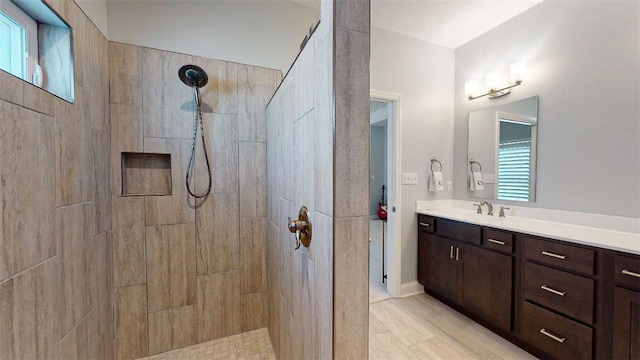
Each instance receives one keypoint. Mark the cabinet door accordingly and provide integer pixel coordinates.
(626, 324)
(436, 265)
(485, 284)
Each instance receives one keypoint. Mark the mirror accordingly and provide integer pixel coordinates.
(502, 143)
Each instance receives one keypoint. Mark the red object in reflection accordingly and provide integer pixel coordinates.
(382, 211)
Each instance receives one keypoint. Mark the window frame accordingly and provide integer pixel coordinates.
(30, 26)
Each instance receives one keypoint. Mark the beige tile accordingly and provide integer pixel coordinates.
(76, 345)
(388, 346)
(408, 330)
(351, 287)
(215, 292)
(450, 322)
(322, 245)
(131, 339)
(74, 229)
(81, 47)
(353, 15)
(253, 253)
(255, 88)
(102, 181)
(352, 123)
(218, 244)
(303, 136)
(375, 327)
(129, 265)
(305, 87)
(177, 208)
(221, 136)
(99, 65)
(307, 310)
(74, 158)
(38, 99)
(324, 127)
(12, 88)
(167, 102)
(220, 95)
(101, 280)
(125, 74)
(126, 136)
(254, 311)
(253, 180)
(28, 306)
(27, 189)
(102, 347)
(172, 329)
(171, 266)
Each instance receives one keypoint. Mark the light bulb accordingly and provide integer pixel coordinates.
(518, 70)
(470, 88)
(493, 80)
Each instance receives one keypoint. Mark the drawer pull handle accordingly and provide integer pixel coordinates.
(561, 257)
(631, 273)
(451, 253)
(457, 253)
(425, 224)
(497, 242)
(556, 338)
(554, 291)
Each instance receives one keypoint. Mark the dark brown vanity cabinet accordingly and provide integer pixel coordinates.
(626, 308)
(478, 279)
(554, 298)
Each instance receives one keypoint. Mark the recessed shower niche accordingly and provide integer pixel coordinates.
(146, 174)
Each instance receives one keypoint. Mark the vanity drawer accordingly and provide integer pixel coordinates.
(556, 335)
(426, 223)
(498, 240)
(459, 231)
(561, 255)
(558, 290)
(627, 271)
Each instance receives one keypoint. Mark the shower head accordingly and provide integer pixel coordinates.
(193, 76)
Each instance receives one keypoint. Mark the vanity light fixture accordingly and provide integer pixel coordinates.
(492, 82)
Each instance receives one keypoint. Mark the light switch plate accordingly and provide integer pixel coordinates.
(489, 178)
(449, 186)
(409, 178)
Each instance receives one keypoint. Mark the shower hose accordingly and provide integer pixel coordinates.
(197, 122)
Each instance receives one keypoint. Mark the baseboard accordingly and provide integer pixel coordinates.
(411, 288)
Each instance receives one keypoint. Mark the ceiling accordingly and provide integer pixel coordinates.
(448, 23)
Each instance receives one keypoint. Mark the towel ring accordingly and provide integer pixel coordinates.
(471, 162)
(434, 161)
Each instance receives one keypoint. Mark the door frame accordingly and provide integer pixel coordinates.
(394, 164)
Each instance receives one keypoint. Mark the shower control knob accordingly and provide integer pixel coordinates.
(301, 227)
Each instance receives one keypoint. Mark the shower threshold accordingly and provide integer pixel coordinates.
(253, 344)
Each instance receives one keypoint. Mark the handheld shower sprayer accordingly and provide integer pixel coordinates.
(195, 77)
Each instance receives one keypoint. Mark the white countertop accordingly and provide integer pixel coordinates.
(593, 236)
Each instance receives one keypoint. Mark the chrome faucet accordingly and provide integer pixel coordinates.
(489, 207)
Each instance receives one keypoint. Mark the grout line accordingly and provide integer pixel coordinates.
(28, 269)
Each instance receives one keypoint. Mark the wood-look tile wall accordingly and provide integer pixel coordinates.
(56, 281)
(318, 296)
(189, 270)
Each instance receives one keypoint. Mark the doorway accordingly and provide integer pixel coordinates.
(384, 254)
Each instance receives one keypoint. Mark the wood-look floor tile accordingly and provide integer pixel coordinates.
(376, 326)
(416, 307)
(386, 346)
(442, 347)
(407, 329)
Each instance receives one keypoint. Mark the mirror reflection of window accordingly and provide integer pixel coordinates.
(514, 160)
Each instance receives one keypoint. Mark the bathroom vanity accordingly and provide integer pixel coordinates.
(553, 296)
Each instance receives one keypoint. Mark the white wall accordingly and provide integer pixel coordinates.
(262, 33)
(96, 10)
(423, 74)
(584, 63)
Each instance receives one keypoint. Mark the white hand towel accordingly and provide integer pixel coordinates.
(477, 181)
(436, 183)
